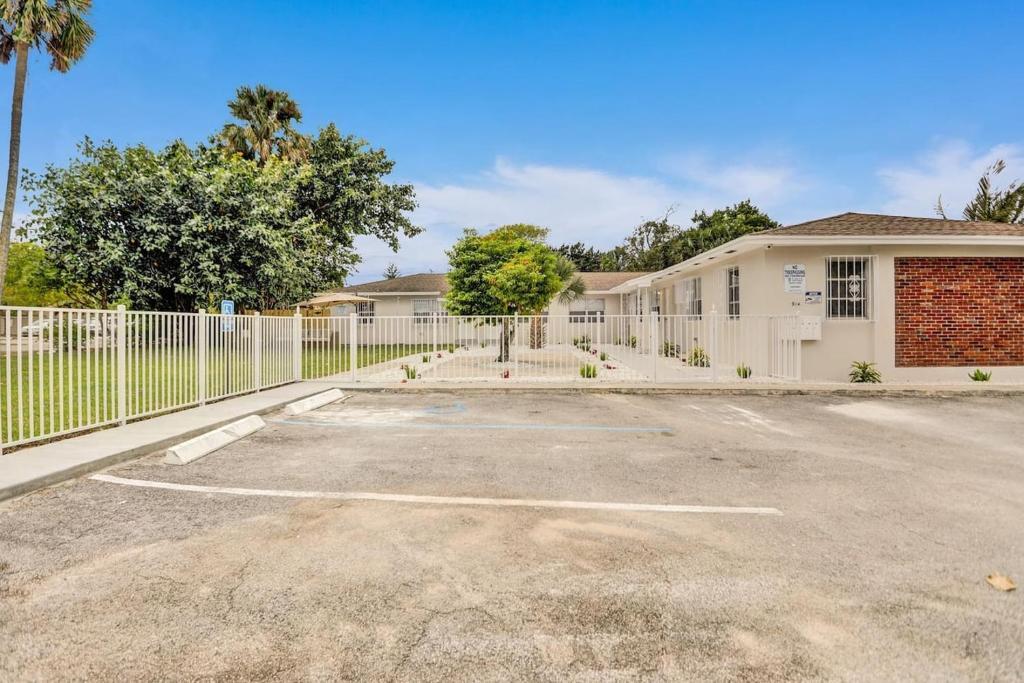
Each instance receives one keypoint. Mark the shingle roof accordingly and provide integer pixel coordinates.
(867, 224)
(602, 282)
(438, 282)
(420, 282)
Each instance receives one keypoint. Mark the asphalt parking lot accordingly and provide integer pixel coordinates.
(539, 536)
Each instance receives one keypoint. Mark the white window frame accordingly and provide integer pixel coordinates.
(850, 288)
(688, 297)
(587, 310)
(365, 311)
(434, 310)
(732, 305)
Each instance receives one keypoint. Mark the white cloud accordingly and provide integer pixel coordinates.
(951, 170)
(577, 204)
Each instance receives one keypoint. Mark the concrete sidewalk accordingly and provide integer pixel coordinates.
(32, 468)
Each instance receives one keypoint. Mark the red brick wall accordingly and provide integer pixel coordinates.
(959, 311)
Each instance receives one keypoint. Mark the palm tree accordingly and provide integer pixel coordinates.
(60, 30)
(267, 126)
(1000, 206)
(572, 289)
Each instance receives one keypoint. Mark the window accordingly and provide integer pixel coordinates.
(848, 287)
(584, 310)
(365, 311)
(732, 291)
(425, 310)
(688, 298)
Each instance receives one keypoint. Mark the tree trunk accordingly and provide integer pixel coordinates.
(11, 196)
(536, 332)
(507, 330)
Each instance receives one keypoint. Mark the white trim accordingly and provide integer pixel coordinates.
(749, 243)
(399, 293)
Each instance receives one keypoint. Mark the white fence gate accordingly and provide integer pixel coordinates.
(67, 370)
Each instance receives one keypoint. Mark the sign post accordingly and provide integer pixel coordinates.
(227, 326)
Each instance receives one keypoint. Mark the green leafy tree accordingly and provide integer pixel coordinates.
(658, 244)
(710, 230)
(344, 190)
(651, 245)
(391, 272)
(60, 30)
(32, 279)
(177, 229)
(1000, 206)
(586, 259)
(267, 127)
(507, 271)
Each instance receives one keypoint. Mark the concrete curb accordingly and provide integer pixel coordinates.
(853, 390)
(204, 444)
(313, 402)
(29, 485)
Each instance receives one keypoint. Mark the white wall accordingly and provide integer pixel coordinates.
(843, 341)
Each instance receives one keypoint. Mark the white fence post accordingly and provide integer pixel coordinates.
(297, 346)
(122, 365)
(799, 351)
(201, 360)
(653, 323)
(353, 344)
(257, 351)
(714, 344)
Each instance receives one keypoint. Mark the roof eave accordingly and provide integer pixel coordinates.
(748, 243)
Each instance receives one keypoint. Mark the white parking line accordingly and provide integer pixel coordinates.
(439, 500)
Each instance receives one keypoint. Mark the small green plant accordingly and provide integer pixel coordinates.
(575, 341)
(980, 375)
(410, 372)
(863, 372)
(670, 350)
(743, 370)
(588, 371)
(451, 348)
(603, 356)
(425, 359)
(698, 358)
(632, 342)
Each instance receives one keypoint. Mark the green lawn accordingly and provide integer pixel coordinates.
(66, 390)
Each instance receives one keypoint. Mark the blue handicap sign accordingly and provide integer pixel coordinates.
(227, 312)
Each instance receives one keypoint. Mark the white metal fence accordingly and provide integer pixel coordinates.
(67, 370)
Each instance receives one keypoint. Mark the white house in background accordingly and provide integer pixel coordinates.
(926, 299)
(421, 295)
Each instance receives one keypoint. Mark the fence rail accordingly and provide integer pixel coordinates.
(68, 370)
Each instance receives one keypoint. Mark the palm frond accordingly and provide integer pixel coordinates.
(572, 291)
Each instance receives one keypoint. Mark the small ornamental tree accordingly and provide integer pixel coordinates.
(506, 272)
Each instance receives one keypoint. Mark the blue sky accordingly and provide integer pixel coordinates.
(583, 116)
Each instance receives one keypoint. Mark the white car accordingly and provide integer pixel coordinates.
(36, 328)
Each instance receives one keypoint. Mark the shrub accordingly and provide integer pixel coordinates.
(863, 372)
(632, 342)
(410, 372)
(980, 375)
(698, 358)
(604, 356)
(670, 350)
(588, 371)
(743, 370)
(425, 359)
